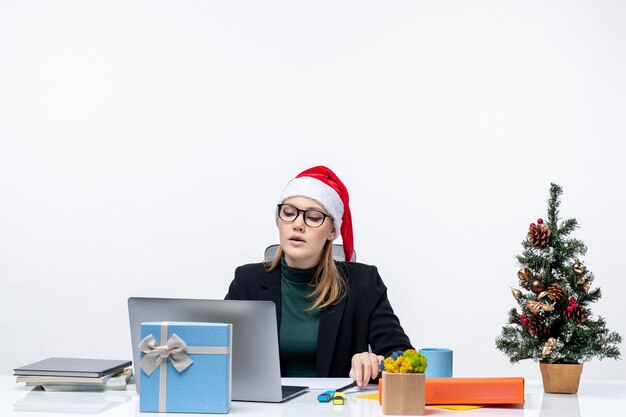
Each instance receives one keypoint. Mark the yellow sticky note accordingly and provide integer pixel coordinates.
(443, 407)
(456, 407)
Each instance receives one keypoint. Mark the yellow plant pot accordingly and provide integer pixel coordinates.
(404, 394)
(560, 378)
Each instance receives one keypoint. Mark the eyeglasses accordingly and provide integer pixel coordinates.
(312, 218)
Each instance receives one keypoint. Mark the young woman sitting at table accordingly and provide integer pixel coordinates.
(328, 312)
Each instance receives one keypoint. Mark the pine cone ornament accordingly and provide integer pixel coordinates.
(577, 314)
(537, 328)
(555, 291)
(539, 235)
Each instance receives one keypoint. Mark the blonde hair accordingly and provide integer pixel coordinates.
(329, 284)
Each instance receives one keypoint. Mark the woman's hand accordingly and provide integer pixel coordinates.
(365, 367)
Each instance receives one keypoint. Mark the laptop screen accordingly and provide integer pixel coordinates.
(255, 357)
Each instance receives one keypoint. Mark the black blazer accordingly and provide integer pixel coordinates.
(364, 316)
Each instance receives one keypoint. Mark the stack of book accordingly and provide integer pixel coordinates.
(76, 374)
(70, 403)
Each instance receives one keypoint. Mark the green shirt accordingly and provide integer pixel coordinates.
(298, 325)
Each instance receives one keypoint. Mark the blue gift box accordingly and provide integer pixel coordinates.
(185, 367)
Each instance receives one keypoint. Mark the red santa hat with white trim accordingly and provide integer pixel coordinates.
(322, 185)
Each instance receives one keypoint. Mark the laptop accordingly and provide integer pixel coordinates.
(255, 357)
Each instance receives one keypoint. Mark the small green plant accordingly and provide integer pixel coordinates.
(409, 361)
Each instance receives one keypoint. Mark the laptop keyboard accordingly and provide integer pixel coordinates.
(289, 390)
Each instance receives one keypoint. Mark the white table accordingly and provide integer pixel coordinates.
(594, 399)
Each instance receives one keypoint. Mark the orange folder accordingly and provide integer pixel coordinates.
(472, 391)
(475, 390)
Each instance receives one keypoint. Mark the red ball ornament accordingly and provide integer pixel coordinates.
(540, 221)
(570, 308)
(532, 225)
(572, 300)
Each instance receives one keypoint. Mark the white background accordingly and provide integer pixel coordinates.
(143, 145)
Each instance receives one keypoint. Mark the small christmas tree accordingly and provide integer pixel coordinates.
(554, 323)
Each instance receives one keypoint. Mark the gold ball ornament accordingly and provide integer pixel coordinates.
(579, 268)
(524, 274)
(537, 286)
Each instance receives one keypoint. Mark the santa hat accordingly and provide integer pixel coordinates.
(322, 185)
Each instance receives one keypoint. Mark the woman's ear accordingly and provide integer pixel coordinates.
(332, 234)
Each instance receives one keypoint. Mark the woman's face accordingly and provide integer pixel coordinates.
(301, 243)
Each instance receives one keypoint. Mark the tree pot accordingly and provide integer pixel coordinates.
(560, 378)
(403, 394)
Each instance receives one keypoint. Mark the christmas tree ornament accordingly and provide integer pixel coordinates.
(578, 267)
(540, 221)
(537, 286)
(524, 274)
(585, 286)
(581, 315)
(539, 235)
(555, 291)
(524, 319)
(537, 327)
(547, 348)
(572, 306)
(516, 293)
(576, 313)
(535, 306)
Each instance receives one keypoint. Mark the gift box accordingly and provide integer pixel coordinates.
(185, 367)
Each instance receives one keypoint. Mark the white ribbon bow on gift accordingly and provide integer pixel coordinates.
(175, 349)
